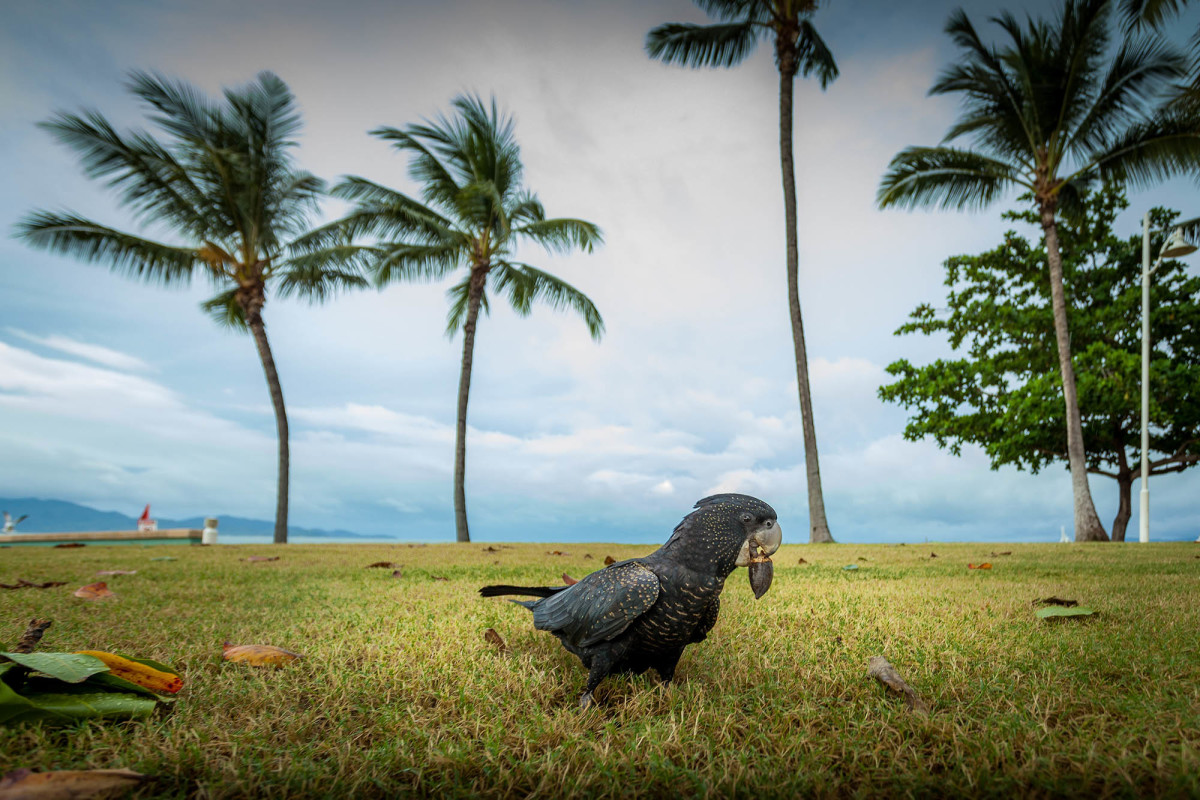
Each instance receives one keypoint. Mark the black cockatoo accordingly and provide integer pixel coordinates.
(641, 613)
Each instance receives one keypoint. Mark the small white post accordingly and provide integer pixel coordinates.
(209, 535)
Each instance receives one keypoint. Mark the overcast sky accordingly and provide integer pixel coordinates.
(115, 394)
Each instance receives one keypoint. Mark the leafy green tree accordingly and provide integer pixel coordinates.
(799, 49)
(474, 216)
(1002, 393)
(1049, 112)
(223, 180)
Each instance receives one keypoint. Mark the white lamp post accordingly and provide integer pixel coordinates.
(1176, 246)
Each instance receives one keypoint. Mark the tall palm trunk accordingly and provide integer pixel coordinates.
(253, 308)
(474, 296)
(818, 526)
(1087, 524)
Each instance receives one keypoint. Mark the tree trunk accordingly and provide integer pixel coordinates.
(1087, 524)
(818, 526)
(1124, 486)
(253, 309)
(474, 296)
(1124, 510)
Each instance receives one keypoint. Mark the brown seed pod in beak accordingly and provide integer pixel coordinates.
(762, 570)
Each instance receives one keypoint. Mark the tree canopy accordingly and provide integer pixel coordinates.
(1002, 392)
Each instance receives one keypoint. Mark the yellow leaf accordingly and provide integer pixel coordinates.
(259, 655)
(143, 675)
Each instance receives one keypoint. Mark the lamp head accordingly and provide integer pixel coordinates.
(1177, 246)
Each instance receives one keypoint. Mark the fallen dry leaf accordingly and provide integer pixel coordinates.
(440, 578)
(1005, 553)
(258, 655)
(260, 558)
(117, 572)
(801, 561)
(95, 591)
(609, 560)
(556, 553)
(490, 549)
(933, 555)
(383, 565)
(860, 558)
(68, 784)
(397, 573)
(568, 580)
(589, 555)
(24, 584)
(70, 544)
(984, 565)
(491, 637)
(879, 669)
(1057, 601)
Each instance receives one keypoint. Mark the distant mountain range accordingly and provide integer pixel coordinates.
(58, 516)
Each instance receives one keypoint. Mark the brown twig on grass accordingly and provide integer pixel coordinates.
(879, 669)
(33, 635)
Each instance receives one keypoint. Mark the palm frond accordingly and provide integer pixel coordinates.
(460, 297)
(562, 235)
(387, 213)
(318, 275)
(994, 109)
(525, 207)
(524, 285)
(72, 235)
(945, 177)
(438, 186)
(1152, 151)
(400, 261)
(151, 181)
(1149, 13)
(735, 10)
(813, 56)
(1136, 77)
(721, 45)
(1072, 198)
(226, 311)
(183, 110)
(1074, 53)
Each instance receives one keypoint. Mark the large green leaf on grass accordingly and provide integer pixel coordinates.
(69, 667)
(30, 698)
(1054, 612)
(71, 706)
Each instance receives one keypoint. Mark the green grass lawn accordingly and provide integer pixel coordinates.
(399, 694)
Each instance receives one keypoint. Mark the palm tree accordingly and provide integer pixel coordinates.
(474, 215)
(1051, 112)
(798, 49)
(223, 180)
